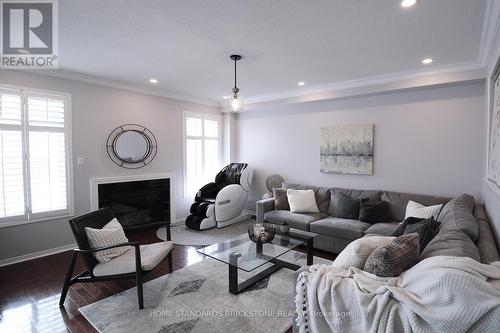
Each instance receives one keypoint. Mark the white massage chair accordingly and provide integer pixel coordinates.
(221, 203)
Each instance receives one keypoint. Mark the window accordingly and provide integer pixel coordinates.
(34, 156)
(201, 150)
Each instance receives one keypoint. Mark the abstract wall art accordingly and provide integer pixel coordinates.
(347, 149)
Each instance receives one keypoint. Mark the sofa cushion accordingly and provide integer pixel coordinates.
(486, 243)
(322, 194)
(398, 202)
(426, 229)
(371, 195)
(453, 243)
(294, 220)
(382, 228)
(458, 214)
(280, 199)
(339, 227)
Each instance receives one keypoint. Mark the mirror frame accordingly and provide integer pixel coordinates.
(149, 155)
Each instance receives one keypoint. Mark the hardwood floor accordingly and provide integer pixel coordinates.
(30, 291)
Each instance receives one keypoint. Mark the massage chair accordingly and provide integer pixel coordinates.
(221, 203)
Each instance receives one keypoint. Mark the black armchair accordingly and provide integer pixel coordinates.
(127, 266)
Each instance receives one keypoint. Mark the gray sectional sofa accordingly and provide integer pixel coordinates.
(465, 229)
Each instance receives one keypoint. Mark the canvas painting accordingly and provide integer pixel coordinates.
(347, 149)
(494, 158)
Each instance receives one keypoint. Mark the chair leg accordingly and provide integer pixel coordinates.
(140, 296)
(169, 258)
(67, 280)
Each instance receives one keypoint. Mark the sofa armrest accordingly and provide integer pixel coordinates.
(264, 206)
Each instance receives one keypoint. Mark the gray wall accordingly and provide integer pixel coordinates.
(96, 111)
(428, 141)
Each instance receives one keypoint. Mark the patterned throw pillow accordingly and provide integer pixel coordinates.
(427, 230)
(111, 234)
(280, 199)
(395, 258)
(347, 207)
(415, 209)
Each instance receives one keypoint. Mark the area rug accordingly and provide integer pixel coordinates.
(184, 236)
(196, 299)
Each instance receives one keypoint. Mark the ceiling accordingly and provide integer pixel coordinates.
(186, 44)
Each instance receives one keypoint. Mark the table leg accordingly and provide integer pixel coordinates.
(233, 273)
(309, 252)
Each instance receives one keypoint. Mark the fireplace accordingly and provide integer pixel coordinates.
(138, 202)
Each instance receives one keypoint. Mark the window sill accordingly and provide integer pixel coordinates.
(41, 219)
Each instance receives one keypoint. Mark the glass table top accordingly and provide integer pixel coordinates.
(246, 255)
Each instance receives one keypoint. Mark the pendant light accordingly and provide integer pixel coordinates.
(235, 102)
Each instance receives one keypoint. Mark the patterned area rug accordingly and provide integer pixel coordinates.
(184, 236)
(196, 299)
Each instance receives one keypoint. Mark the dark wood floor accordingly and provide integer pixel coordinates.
(30, 291)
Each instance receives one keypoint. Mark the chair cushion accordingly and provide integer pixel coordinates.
(111, 234)
(383, 228)
(151, 256)
(341, 228)
(398, 202)
(322, 194)
(295, 220)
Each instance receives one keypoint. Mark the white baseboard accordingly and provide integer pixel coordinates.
(38, 254)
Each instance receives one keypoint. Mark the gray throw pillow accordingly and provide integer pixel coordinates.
(280, 199)
(395, 258)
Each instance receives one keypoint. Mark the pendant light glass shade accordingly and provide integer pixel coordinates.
(235, 101)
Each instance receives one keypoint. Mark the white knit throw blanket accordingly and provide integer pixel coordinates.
(439, 294)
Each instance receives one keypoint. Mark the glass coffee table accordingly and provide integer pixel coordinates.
(241, 253)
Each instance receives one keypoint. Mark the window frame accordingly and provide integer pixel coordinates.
(185, 137)
(28, 218)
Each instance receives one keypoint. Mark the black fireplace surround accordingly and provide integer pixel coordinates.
(138, 205)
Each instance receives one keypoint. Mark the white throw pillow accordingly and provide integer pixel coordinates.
(111, 234)
(302, 201)
(415, 209)
(356, 253)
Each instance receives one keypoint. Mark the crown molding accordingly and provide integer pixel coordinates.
(490, 33)
(464, 72)
(95, 80)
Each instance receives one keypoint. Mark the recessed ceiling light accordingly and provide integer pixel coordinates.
(153, 80)
(427, 61)
(226, 97)
(301, 83)
(408, 3)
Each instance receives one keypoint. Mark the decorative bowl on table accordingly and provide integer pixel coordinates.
(261, 233)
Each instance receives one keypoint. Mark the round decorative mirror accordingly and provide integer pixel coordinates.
(131, 146)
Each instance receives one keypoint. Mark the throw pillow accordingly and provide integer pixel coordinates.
(374, 211)
(347, 207)
(111, 234)
(280, 199)
(402, 226)
(302, 201)
(427, 230)
(393, 259)
(356, 253)
(415, 209)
